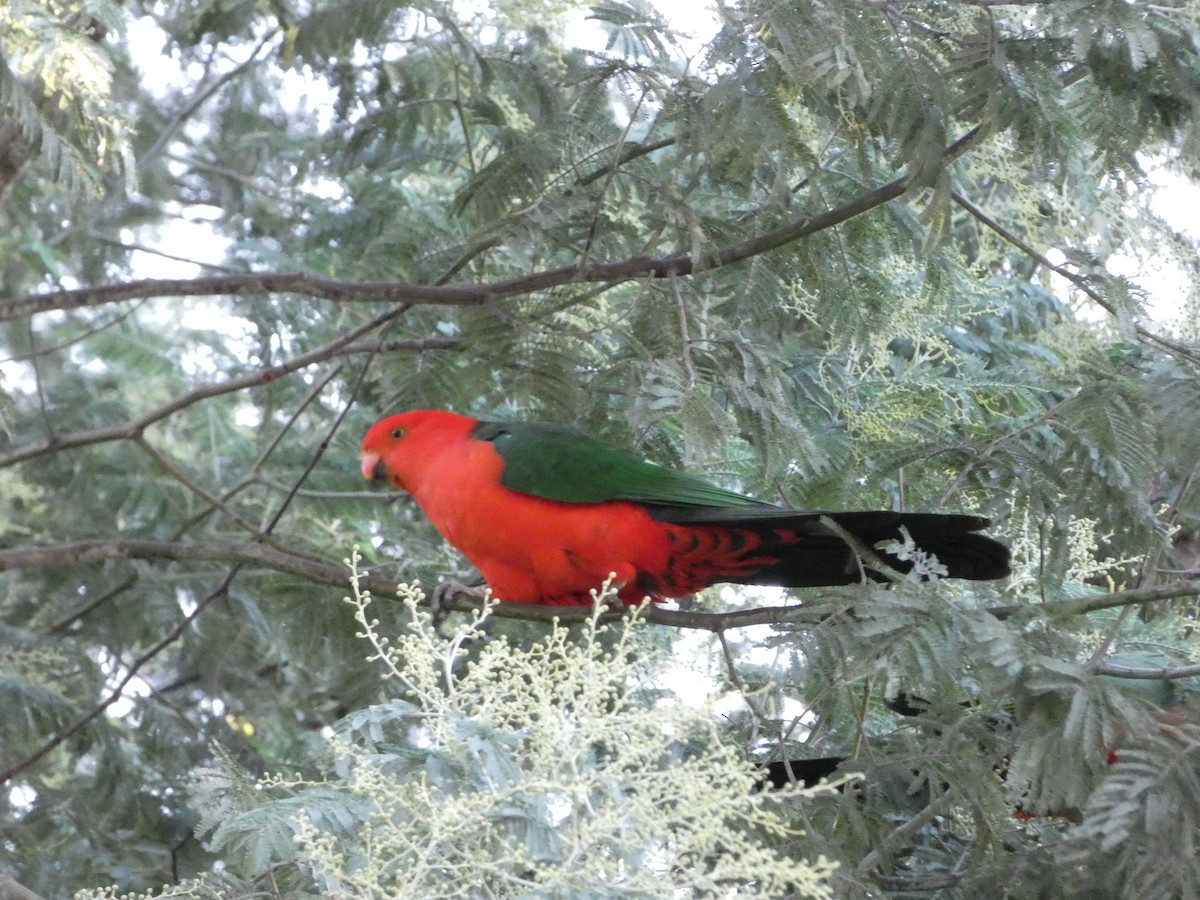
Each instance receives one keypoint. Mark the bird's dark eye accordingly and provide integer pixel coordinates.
(397, 433)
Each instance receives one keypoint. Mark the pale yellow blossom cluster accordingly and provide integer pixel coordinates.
(569, 784)
(497, 770)
(1083, 542)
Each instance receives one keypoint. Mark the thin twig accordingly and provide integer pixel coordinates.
(253, 477)
(118, 691)
(683, 331)
(202, 96)
(133, 246)
(731, 666)
(1110, 638)
(869, 864)
(865, 554)
(594, 225)
(984, 455)
(184, 624)
(261, 376)
(214, 502)
(108, 596)
(37, 380)
(77, 339)
(1080, 281)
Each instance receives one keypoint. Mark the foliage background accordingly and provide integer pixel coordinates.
(842, 255)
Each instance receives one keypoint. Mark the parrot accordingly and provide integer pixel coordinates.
(548, 514)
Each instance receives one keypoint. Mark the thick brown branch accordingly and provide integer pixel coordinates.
(319, 571)
(467, 294)
(11, 890)
(463, 599)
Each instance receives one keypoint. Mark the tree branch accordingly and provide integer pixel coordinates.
(314, 569)
(1167, 673)
(222, 590)
(11, 890)
(869, 865)
(1075, 606)
(1080, 281)
(132, 429)
(465, 599)
(203, 94)
(466, 294)
(978, 459)
(240, 285)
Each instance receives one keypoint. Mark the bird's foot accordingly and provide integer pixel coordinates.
(438, 610)
(608, 597)
(615, 605)
(441, 596)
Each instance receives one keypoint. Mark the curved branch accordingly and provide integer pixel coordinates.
(115, 692)
(132, 429)
(1166, 673)
(467, 294)
(1080, 281)
(1078, 605)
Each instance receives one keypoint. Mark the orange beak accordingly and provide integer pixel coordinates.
(372, 466)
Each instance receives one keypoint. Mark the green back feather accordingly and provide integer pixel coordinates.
(559, 463)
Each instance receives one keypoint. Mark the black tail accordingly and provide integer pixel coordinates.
(807, 553)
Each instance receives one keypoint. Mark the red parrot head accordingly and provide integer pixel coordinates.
(399, 449)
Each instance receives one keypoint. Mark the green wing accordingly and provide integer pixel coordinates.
(559, 463)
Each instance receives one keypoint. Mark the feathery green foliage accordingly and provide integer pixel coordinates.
(901, 254)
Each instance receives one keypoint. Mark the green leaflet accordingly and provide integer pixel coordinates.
(560, 463)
